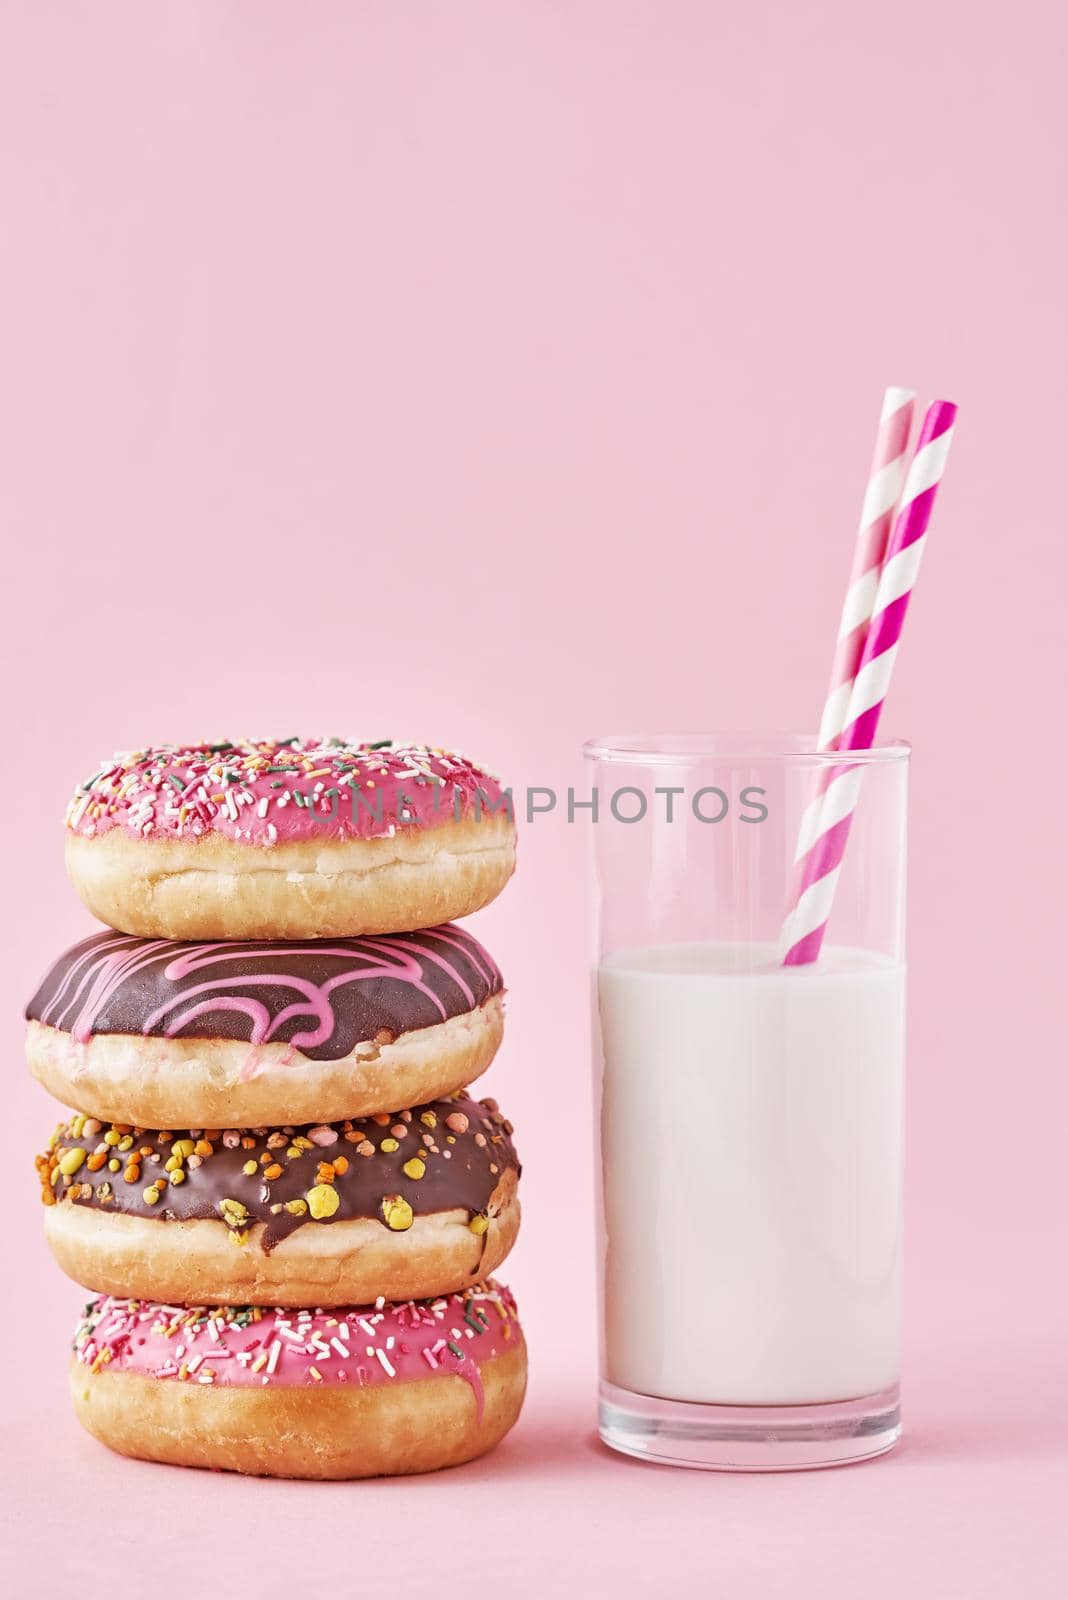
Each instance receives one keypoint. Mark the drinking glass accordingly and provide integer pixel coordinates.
(750, 1112)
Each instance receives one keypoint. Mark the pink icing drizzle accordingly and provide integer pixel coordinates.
(94, 978)
(337, 791)
(316, 997)
(360, 1345)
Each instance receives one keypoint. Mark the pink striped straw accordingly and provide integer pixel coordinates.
(877, 514)
(821, 861)
(889, 460)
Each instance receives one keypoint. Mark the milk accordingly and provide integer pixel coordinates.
(751, 1139)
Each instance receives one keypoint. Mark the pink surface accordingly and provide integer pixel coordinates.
(465, 374)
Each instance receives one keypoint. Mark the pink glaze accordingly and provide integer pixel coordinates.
(248, 1347)
(266, 792)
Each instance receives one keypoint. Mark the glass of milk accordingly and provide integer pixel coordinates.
(750, 1114)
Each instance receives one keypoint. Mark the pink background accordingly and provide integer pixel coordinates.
(499, 373)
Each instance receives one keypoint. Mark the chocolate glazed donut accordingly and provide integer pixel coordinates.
(415, 1203)
(158, 1033)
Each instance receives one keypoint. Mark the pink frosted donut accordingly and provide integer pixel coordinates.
(352, 1393)
(287, 839)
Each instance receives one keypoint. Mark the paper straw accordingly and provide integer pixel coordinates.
(876, 518)
(889, 460)
(886, 477)
(821, 863)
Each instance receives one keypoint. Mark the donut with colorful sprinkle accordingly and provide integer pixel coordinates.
(241, 1033)
(288, 839)
(359, 1392)
(413, 1204)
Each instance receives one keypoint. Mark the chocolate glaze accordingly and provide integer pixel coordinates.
(463, 1144)
(324, 997)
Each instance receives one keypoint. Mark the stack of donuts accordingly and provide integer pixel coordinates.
(276, 1179)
